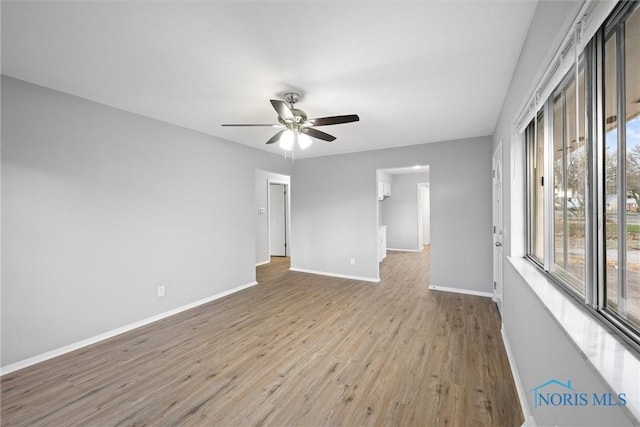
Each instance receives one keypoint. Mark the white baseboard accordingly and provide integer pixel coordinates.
(461, 291)
(263, 263)
(342, 276)
(529, 419)
(404, 250)
(109, 334)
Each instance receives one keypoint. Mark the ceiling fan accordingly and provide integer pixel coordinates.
(296, 126)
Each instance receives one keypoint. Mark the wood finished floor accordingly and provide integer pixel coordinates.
(297, 349)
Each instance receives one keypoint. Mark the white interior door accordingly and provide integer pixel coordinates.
(498, 253)
(277, 220)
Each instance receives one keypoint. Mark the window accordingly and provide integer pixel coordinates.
(621, 56)
(587, 139)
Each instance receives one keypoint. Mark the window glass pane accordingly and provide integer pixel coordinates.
(534, 140)
(632, 129)
(558, 181)
(611, 172)
(529, 183)
(538, 220)
(576, 179)
(569, 163)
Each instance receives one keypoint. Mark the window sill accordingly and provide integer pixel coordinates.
(617, 365)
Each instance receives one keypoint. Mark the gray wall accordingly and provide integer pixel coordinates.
(542, 352)
(400, 212)
(335, 212)
(262, 220)
(539, 345)
(100, 206)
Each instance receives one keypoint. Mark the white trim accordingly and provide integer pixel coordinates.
(404, 250)
(529, 419)
(110, 334)
(258, 264)
(421, 214)
(498, 224)
(342, 276)
(461, 291)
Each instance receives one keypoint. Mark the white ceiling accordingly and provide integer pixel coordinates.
(414, 71)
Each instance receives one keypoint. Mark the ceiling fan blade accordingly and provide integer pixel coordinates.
(276, 137)
(283, 110)
(249, 124)
(318, 134)
(335, 120)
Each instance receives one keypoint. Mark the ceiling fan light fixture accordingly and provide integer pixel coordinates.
(298, 128)
(304, 141)
(286, 140)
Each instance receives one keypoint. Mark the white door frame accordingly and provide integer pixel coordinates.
(287, 215)
(421, 212)
(498, 225)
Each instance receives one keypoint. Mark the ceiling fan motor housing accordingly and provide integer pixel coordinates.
(292, 97)
(299, 117)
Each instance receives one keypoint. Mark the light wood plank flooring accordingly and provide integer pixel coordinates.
(298, 349)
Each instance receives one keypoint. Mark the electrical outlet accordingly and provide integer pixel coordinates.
(353, 261)
(160, 291)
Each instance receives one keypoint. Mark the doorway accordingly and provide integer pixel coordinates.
(278, 219)
(403, 211)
